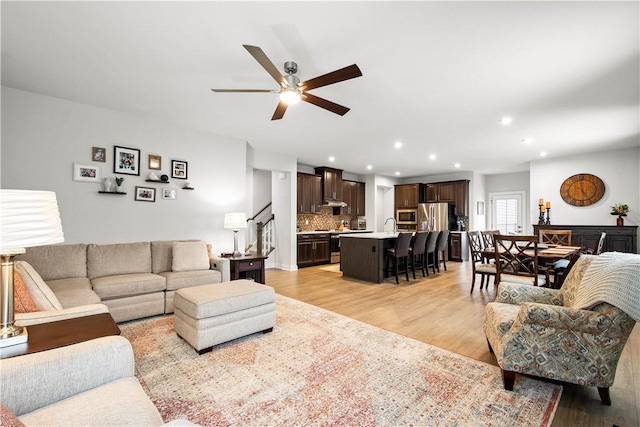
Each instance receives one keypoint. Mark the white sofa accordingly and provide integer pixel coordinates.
(133, 280)
(87, 384)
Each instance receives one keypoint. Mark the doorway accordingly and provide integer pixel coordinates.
(507, 212)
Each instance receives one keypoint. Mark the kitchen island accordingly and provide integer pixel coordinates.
(362, 255)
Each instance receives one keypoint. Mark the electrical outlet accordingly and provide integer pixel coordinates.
(306, 222)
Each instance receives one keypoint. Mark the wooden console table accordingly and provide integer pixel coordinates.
(47, 336)
(619, 239)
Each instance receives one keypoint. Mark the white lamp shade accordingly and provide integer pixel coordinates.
(235, 220)
(28, 218)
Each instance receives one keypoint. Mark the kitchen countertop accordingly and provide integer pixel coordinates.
(335, 232)
(378, 236)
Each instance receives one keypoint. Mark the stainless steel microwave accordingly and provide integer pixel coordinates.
(406, 216)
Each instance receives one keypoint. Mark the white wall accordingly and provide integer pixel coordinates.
(43, 136)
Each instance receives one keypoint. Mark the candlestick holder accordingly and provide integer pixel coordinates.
(548, 221)
(541, 216)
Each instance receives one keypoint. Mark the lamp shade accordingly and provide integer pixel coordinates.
(235, 220)
(28, 218)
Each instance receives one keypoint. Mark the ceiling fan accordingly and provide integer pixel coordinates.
(292, 90)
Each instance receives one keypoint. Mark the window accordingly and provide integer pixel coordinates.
(506, 212)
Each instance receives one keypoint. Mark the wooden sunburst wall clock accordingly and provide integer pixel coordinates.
(582, 189)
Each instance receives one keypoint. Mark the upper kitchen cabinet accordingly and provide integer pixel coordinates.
(406, 195)
(309, 193)
(353, 196)
(451, 191)
(331, 183)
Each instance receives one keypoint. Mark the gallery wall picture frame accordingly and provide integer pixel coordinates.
(145, 194)
(480, 208)
(155, 162)
(86, 173)
(126, 160)
(179, 169)
(98, 154)
(169, 193)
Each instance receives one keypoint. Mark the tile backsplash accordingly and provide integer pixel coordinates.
(325, 220)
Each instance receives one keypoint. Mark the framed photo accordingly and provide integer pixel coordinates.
(169, 193)
(145, 194)
(480, 208)
(155, 162)
(126, 160)
(178, 169)
(98, 154)
(86, 173)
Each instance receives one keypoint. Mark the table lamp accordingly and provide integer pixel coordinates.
(27, 219)
(235, 221)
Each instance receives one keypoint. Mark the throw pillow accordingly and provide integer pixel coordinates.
(22, 301)
(42, 295)
(190, 256)
(9, 419)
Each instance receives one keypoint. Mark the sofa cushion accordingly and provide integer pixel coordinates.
(111, 260)
(122, 285)
(22, 301)
(187, 279)
(190, 256)
(42, 295)
(74, 291)
(57, 261)
(161, 254)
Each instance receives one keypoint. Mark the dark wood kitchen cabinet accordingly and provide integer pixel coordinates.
(309, 193)
(406, 195)
(618, 239)
(313, 249)
(353, 196)
(456, 192)
(331, 183)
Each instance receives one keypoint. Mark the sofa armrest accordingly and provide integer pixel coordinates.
(223, 265)
(564, 318)
(517, 293)
(39, 379)
(38, 317)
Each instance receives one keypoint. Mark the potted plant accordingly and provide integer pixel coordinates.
(119, 181)
(620, 210)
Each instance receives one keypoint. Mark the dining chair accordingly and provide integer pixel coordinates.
(416, 252)
(561, 267)
(430, 251)
(400, 252)
(555, 237)
(441, 248)
(487, 242)
(478, 266)
(517, 260)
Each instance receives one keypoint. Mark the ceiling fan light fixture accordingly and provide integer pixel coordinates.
(290, 96)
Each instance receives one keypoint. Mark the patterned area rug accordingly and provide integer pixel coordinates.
(320, 368)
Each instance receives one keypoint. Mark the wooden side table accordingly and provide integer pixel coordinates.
(248, 267)
(47, 336)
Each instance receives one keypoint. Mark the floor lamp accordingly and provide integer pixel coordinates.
(235, 221)
(27, 219)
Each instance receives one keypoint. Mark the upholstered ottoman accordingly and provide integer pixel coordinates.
(208, 315)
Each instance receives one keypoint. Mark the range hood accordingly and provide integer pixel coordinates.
(334, 203)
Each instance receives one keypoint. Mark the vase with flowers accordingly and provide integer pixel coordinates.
(620, 210)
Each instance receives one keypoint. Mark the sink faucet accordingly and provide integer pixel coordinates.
(394, 222)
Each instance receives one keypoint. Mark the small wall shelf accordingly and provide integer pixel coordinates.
(188, 188)
(111, 192)
(156, 181)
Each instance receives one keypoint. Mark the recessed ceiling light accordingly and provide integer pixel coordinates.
(506, 121)
(398, 144)
(432, 156)
(543, 154)
(527, 140)
(332, 159)
(457, 165)
(397, 173)
(369, 167)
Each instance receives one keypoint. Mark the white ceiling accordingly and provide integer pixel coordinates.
(437, 76)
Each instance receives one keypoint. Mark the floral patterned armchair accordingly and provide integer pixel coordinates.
(545, 333)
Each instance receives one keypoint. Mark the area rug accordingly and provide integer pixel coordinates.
(321, 368)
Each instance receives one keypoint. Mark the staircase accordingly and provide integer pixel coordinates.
(261, 232)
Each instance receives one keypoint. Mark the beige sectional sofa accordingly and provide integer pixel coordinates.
(133, 280)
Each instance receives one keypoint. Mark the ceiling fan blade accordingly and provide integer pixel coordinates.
(266, 63)
(280, 109)
(346, 73)
(323, 103)
(246, 90)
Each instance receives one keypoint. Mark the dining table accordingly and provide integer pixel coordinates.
(547, 254)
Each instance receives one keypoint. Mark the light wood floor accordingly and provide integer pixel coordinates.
(439, 310)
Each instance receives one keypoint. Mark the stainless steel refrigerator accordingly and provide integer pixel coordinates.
(436, 217)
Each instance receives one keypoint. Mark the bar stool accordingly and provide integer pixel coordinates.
(416, 252)
(400, 252)
(441, 247)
